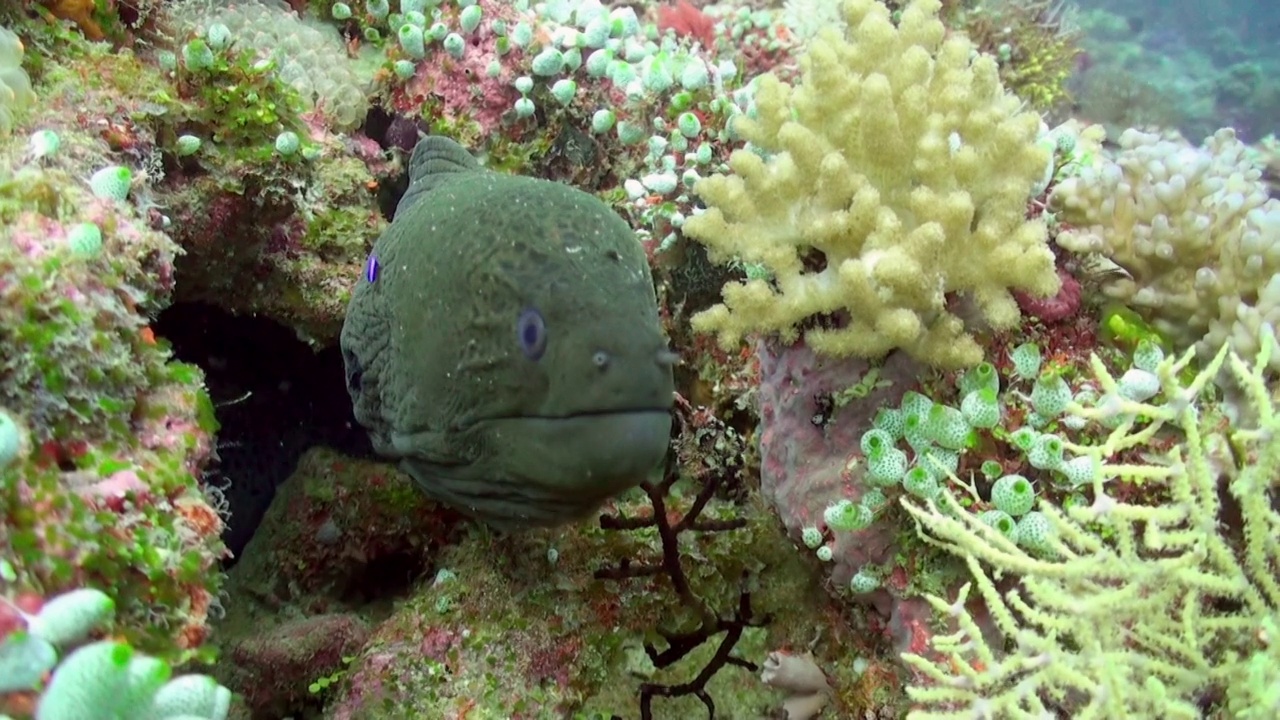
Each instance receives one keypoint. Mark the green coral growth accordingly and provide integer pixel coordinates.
(1133, 604)
(106, 676)
(236, 100)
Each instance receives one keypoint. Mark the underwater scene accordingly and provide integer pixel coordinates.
(639, 360)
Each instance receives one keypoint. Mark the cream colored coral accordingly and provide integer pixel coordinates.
(15, 86)
(1193, 227)
(895, 173)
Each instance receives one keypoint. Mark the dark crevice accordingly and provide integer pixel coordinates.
(382, 578)
(274, 398)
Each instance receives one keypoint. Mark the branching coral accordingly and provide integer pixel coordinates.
(1142, 606)
(894, 174)
(1193, 227)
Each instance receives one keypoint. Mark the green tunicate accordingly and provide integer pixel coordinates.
(890, 421)
(886, 467)
(602, 121)
(218, 36)
(598, 62)
(288, 143)
(85, 240)
(1024, 438)
(564, 90)
(947, 427)
(10, 439)
(913, 431)
(875, 500)
(981, 408)
(1050, 395)
(1033, 531)
(1000, 520)
(197, 55)
(1013, 494)
(921, 483)
(469, 18)
(522, 34)
(864, 582)
(404, 69)
(1080, 470)
(1138, 385)
(379, 9)
(548, 62)
(412, 41)
(455, 45)
(977, 378)
(630, 133)
(694, 75)
(1026, 360)
(111, 183)
(1148, 355)
(1046, 453)
(187, 145)
(689, 125)
(914, 402)
(847, 516)
(875, 440)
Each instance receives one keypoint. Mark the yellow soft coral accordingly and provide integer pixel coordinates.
(895, 173)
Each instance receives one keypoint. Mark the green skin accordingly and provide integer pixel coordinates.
(442, 378)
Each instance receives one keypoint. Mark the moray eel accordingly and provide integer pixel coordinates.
(503, 345)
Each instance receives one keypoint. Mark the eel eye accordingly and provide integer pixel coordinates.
(531, 331)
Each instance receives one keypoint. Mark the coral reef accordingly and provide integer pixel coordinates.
(1194, 230)
(894, 175)
(105, 491)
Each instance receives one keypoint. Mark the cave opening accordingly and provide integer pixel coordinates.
(274, 397)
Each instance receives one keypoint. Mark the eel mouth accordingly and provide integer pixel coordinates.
(566, 417)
